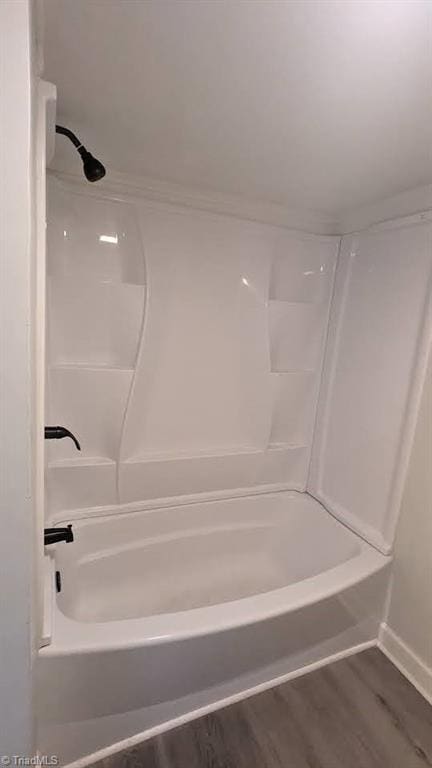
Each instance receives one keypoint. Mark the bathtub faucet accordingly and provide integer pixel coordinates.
(53, 535)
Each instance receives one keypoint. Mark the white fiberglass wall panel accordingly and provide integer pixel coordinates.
(95, 324)
(378, 338)
(206, 412)
(184, 349)
(202, 379)
(96, 300)
(91, 238)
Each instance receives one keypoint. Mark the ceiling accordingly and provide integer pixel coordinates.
(324, 105)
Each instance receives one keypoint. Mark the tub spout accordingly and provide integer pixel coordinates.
(53, 535)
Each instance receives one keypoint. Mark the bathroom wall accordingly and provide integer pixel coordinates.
(184, 349)
(18, 540)
(379, 338)
(407, 634)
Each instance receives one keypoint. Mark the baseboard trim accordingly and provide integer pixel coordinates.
(407, 662)
(139, 738)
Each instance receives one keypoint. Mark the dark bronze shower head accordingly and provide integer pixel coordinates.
(93, 168)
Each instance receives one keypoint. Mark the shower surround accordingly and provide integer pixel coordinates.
(245, 397)
(185, 350)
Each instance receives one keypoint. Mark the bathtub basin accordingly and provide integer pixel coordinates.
(164, 574)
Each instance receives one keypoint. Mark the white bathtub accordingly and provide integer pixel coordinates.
(164, 612)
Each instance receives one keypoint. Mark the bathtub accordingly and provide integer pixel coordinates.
(164, 613)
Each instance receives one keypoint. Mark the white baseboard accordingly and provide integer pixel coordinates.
(407, 662)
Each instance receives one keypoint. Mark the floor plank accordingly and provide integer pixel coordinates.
(357, 713)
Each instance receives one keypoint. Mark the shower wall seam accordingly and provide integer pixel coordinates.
(141, 336)
(330, 313)
(327, 373)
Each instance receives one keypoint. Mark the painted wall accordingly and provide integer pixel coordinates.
(17, 550)
(410, 612)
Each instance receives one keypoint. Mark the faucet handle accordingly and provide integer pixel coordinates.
(57, 433)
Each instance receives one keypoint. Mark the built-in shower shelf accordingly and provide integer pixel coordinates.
(275, 446)
(84, 481)
(295, 335)
(93, 283)
(291, 371)
(116, 284)
(244, 450)
(74, 278)
(89, 367)
(293, 302)
(94, 323)
(81, 461)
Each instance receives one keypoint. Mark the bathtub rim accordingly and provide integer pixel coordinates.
(166, 502)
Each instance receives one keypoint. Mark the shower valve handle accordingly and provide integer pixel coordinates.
(57, 433)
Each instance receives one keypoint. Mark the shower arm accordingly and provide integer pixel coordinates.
(71, 136)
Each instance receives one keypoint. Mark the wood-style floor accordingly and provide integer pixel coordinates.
(357, 713)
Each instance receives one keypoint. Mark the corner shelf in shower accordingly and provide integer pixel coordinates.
(80, 281)
(294, 302)
(295, 334)
(285, 446)
(293, 406)
(106, 368)
(93, 320)
(293, 372)
(85, 481)
(81, 461)
(239, 453)
(205, 453)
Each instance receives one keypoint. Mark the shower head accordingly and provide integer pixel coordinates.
(93, 168)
